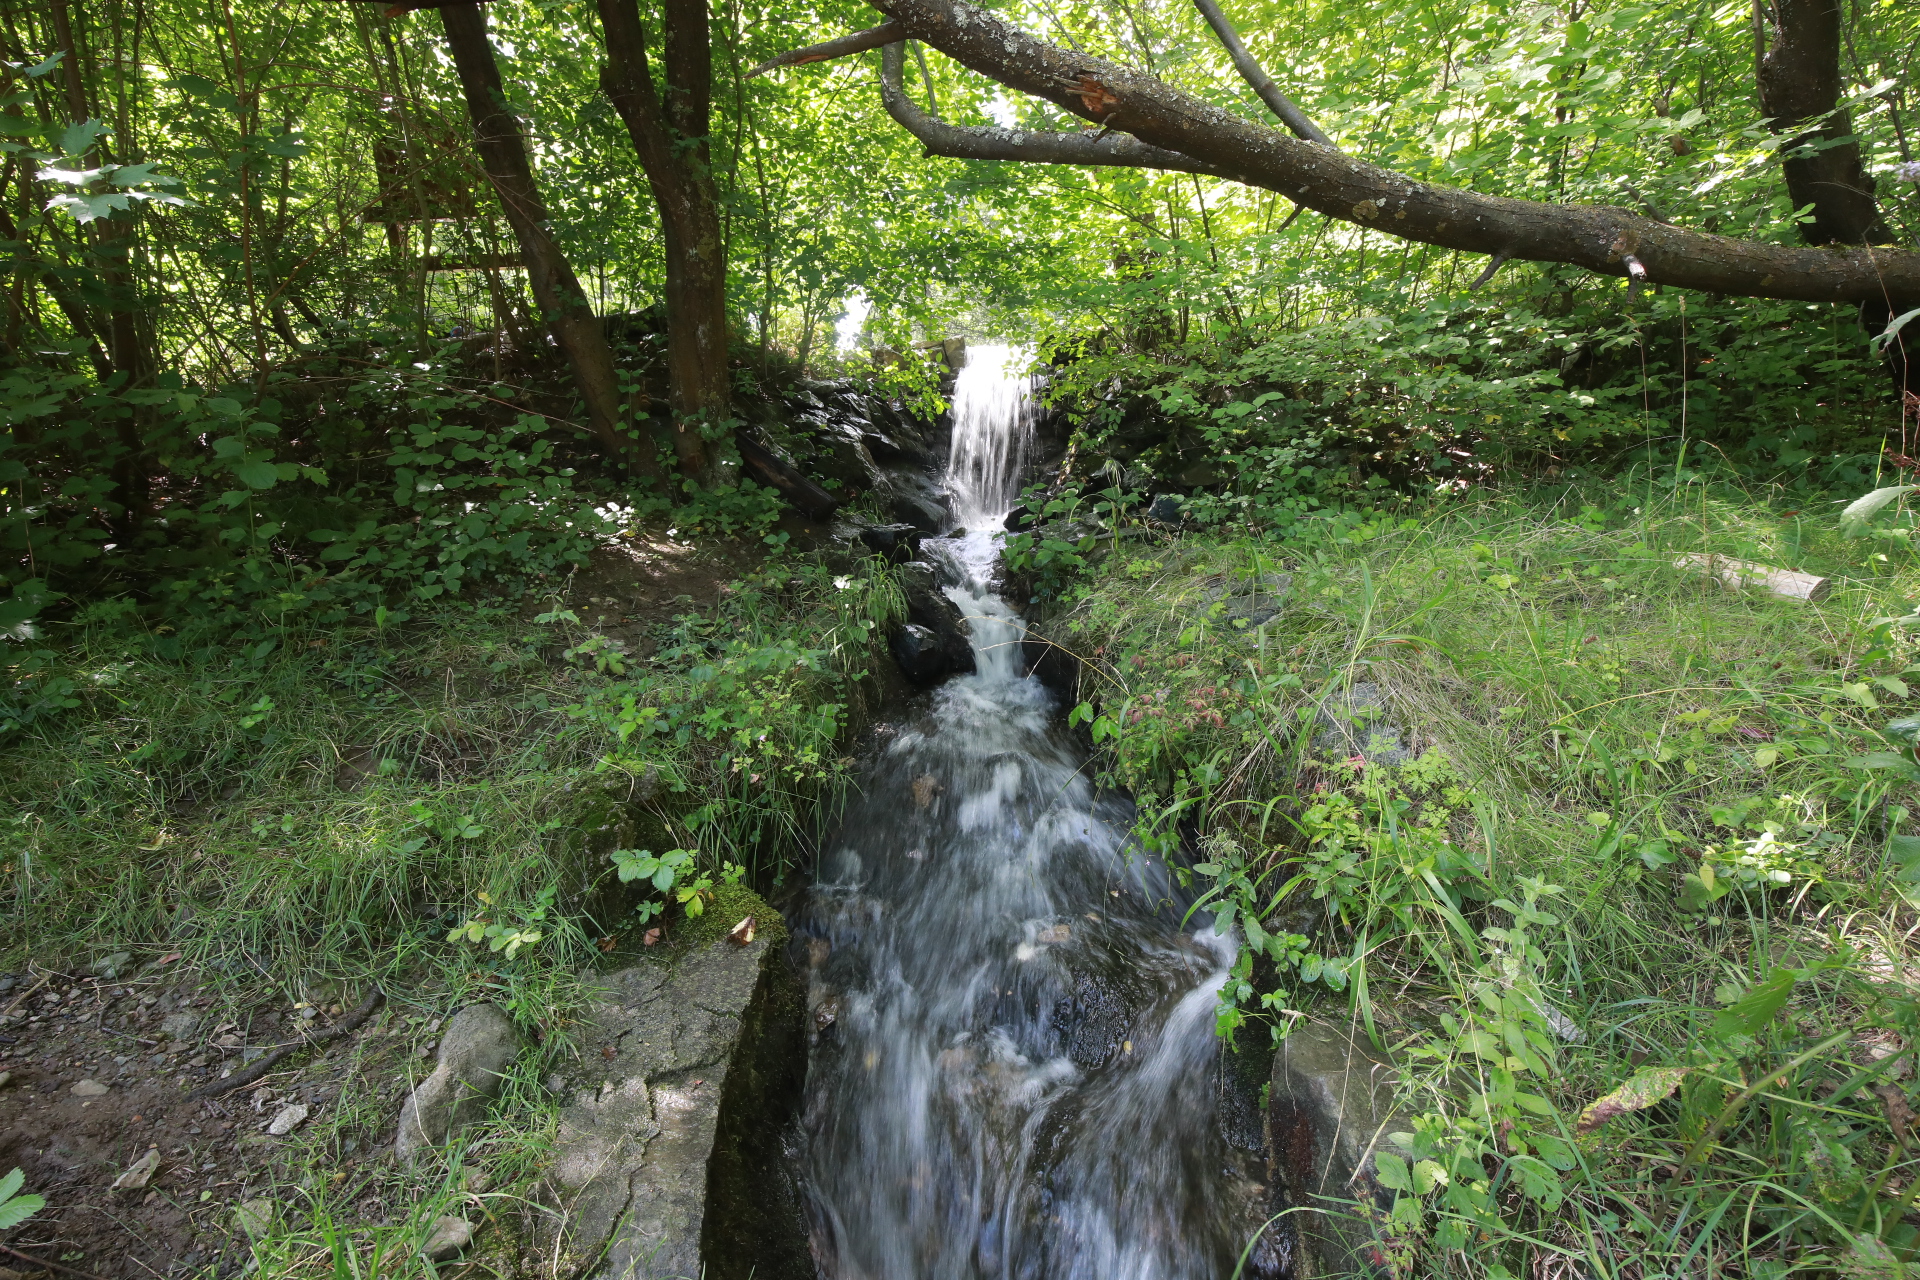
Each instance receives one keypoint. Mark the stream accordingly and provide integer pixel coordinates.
(1016, 1073)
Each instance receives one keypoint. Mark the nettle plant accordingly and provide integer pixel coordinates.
(1373, 853)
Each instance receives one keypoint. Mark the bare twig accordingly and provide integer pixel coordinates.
(24, 994)
(1494, 264)
(51, 1266)
(991, 142)
(1256, 76)
(345, 1026)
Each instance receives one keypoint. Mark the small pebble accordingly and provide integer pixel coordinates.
(450, 1235)
(289, 1119)
(88, 1089)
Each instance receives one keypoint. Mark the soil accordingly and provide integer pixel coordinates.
(149, 1040)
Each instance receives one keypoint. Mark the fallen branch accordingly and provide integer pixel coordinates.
(1199, 137)
(346, 1026)
(826, 50)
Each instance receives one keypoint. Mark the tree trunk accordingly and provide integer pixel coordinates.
(1799, 81)
(668, 122)
(563, 304)
(111, 241)
(1606, 240)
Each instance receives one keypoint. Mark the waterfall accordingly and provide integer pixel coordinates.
(992, 428)
(1015, 1073)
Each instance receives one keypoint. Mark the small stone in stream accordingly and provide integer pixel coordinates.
(88, 1089)
(289, 1119)
(450, 1235)
(139, 1173)
(255, 1218)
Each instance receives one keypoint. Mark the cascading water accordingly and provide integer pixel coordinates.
(1016, 1072)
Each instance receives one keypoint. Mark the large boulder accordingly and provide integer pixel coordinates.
(925, 657)
(913, 497)
(933, 611)
(896, 542)
(477, 1050)
(1328, 1112)
(669, 1158)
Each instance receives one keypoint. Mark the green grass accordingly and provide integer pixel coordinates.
(1605, 744)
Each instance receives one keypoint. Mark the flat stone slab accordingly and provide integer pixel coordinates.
(664, 1048)
(1328, 1114)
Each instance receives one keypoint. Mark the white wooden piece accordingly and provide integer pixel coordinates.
(1734, 574)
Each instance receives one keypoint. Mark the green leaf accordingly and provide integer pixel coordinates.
(1537, 1180)
(1864, 508)
(1747, 1015)
(1905, 851)
(1894, 326)
(258, 475)
(18, 1209)
(1392, 1171)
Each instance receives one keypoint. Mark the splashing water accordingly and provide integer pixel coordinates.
(1015, 1072)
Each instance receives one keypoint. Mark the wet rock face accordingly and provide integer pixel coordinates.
(1328, 1111)
(924, 656)
(477, 1049)
(669, 1157)
(940, 645)
(898, 543)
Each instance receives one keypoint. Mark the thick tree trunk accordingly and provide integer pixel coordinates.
(1799, 81)
(1606, 240)
(563, 303)
(668, 122)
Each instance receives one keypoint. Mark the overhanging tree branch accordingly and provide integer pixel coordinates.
(1598, 238)
(990, 142)
(1257, 78)
(858, 42)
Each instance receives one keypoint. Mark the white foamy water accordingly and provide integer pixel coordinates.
(1016, 1074)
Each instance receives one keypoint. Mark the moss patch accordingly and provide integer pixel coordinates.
(728, 905)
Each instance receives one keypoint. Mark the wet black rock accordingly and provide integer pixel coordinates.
(897, 542)
(930, 607)
(918, 501)
(1018, 519)
(1168, 508)
(925, 656)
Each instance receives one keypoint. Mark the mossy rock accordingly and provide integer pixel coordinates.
(726, 906)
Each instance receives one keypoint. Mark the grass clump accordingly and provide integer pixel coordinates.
(1615, 863)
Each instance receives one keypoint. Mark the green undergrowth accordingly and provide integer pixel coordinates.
(336, 801)
(1630, 911)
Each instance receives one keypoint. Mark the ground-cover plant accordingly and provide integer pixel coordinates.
(339, 798)
(1611, 860)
